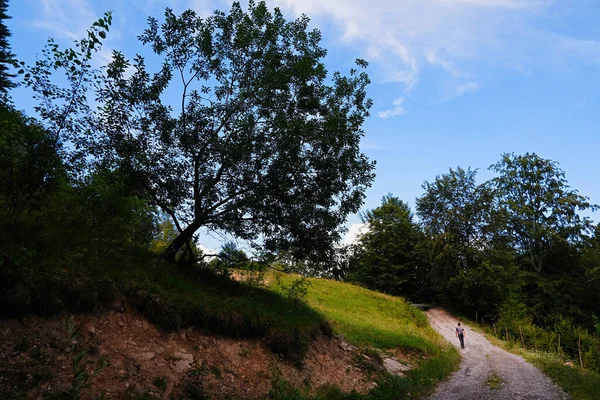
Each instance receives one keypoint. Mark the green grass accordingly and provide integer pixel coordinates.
(581, 384)
(367, 318)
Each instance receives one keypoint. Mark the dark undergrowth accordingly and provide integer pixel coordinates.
(170, 295)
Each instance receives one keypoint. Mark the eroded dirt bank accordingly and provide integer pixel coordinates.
(35, 360)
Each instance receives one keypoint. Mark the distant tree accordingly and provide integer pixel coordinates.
(385, 258)
(7, 58)
(455, 204)
(260, 145)
(538, 208)
(164, 235)
(453, 212)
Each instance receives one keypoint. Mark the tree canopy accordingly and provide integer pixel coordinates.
(261, 144)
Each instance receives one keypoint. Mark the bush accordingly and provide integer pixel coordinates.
(563, 337)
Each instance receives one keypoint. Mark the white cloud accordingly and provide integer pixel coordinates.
(354, 232)
(467, 87)
(398, 109)
(403, 35)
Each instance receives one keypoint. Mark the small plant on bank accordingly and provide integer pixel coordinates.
(161, 382)
(295, 291)
(81, 377)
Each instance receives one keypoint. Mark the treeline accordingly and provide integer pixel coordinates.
(514, 250)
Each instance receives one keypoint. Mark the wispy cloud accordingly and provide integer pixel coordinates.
(401, 36)
(467, 87)
(398, 109)
(367, 145)
(64, 18)
(404, 38)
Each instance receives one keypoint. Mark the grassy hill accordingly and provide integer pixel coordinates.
(368, 318)
(175, 297)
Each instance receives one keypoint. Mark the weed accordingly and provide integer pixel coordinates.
(245, 353)
(194, 391)
(81, 377)
(282, 389)
(494, 381)
(216, 371)
(161, 382)
(21, 346)
(296, 290)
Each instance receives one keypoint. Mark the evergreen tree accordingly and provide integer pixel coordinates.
(6, 56)
(385, 258)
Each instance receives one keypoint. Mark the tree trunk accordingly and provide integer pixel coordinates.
(184, 237)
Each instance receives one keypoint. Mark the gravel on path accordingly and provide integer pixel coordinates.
(488, 372)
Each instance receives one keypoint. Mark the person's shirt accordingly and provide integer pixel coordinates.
(460, 330)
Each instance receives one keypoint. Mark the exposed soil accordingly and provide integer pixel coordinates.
(488, 372)
(35, 362)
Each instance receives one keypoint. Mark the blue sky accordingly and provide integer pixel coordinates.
(455, 82)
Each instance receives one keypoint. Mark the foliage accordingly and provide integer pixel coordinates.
(470, 268)
(53, 231)
(64, 111)
(165, 233)
(30, 167)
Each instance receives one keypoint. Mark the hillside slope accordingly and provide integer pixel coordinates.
(332, 346)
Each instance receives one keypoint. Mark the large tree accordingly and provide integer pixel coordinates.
(538, 209)
(260, 143)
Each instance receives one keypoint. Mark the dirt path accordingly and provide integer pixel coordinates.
(481, 362)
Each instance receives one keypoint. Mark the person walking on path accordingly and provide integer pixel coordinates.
(460, 334)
